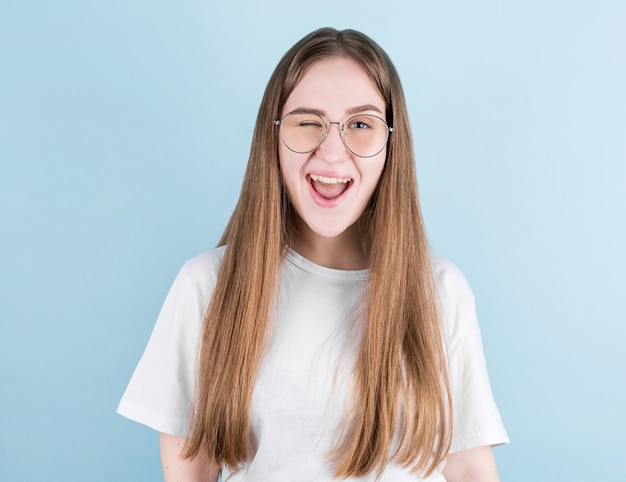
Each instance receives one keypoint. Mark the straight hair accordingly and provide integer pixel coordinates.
(400, 408)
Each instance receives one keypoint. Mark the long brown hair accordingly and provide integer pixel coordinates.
(401, 409)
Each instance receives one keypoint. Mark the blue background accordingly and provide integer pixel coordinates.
(124, 132)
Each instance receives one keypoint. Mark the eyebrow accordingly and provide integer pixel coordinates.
(364, 107)
(351, 111)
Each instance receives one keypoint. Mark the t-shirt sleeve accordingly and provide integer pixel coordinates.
(160, 393)
(476, 419)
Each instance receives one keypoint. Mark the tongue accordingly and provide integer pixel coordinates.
(329, 191)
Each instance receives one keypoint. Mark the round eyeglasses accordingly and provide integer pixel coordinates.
(364, 135)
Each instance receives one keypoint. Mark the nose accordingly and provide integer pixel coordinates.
(333, 148)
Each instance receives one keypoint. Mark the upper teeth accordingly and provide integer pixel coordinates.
(330, 180)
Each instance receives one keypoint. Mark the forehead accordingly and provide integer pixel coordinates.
(334, 86)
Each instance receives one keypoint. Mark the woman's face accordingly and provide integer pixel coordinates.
(330, 187)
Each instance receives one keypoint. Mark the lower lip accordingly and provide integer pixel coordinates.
(327, 203)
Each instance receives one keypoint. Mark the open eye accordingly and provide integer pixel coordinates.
(359, 123)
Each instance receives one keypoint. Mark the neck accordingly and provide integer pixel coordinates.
(346, 251)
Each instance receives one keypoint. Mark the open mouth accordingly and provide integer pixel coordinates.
(329, 187)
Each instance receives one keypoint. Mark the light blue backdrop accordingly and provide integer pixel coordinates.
(124, 131)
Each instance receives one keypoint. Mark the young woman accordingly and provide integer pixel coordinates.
(322, 339)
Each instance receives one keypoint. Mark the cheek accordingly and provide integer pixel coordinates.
(375, 171)
(283, 165)
(289, 171)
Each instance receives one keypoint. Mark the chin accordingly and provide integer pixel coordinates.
(329, 229)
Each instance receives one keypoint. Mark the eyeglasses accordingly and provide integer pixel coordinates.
(364, 135)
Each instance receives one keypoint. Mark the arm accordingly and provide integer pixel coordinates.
(178, 469)
(474, 465)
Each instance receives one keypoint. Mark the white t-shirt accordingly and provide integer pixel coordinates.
(304, 381)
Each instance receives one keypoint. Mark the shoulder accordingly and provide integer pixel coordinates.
(200, 272)
(449, 279)
(204, 264)
(454, 295)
